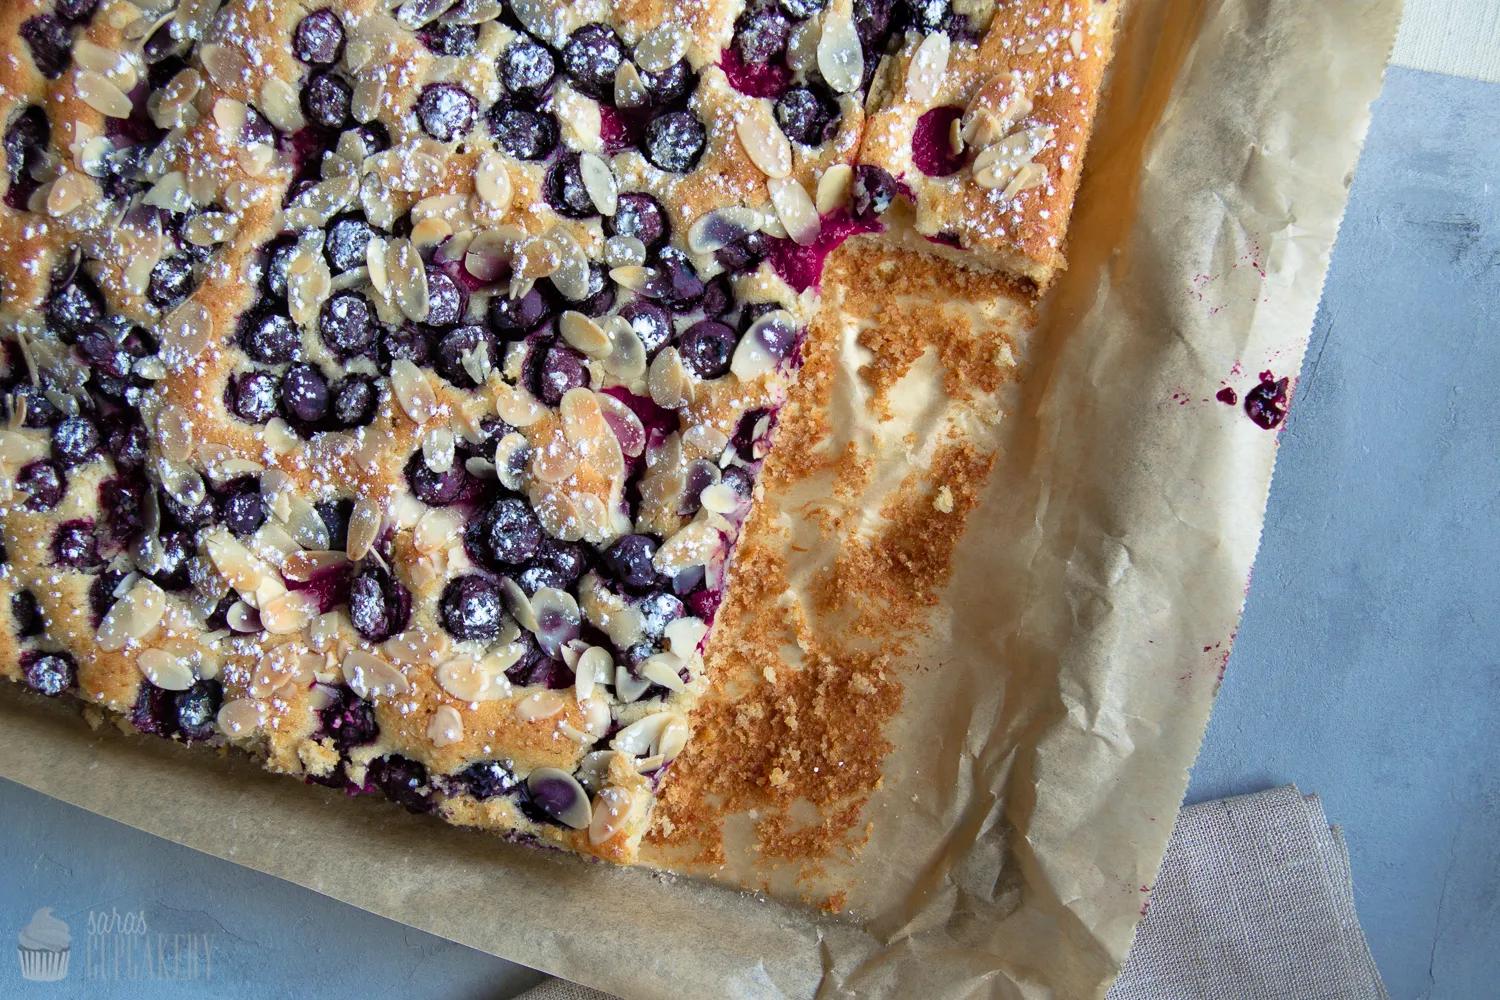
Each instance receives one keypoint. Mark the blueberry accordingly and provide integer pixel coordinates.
(929, 16)
(707, 348)
(487, 779)
(874, 190)
(403, 781)
(270, 338)
(48, 673)
(326, 100)
(524, 133)
(102, 594)
(335, 515)
(252, 396)
(760, 35)
(472, 608)
(40, 411)
(436, 489)
(600, 293)
(511, 318)
(76, 10)
(74, 544)
(676, 284)
(512, 532)
(445, 301)
(50, 43)
(559, 369)
(347, 242)
(319, 38)
(872, 22)
(103, 355)
(177, 552)
(379, 607)
(641, 216)
(27, 614)
(802, 9)
(674, 141)
(172, 281)
(672, 85)
(629, 559)
(590, 57)
(807, 115)
(347, 324)
(245, 510)
(304, 394)
(44, 483)
(279, 253)
(25, 149)
(349, 720)
(198, 710)
(354, 399)
(565, 191)
(459, 342)
(718, 297)
(651, 323)
(410, 341)
(558, 565)
(75, 308)
(657, 612)
(526, 68)
(122, 502)
(451, 39)
(155, 710)
(373, 137)
(75, 441)
(446, 111)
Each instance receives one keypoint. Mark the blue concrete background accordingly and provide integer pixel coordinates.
(1367, 669)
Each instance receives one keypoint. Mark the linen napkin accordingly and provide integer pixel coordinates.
(1254, 901)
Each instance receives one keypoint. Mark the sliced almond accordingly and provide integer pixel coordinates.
(540, 705)
(613, 810)
(924, 77)
(95, 90)
(132, 617)
(240, 717)
(584, 334)
(446, 726)
(371, 676)
(165, 670)
(492, 182)
(413, 391)
(763, 141)
(365, 524)
(599, 182)
(841, 59)
(795, 209)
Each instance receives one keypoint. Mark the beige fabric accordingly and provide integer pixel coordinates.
(1254, 902)
(1461, 37)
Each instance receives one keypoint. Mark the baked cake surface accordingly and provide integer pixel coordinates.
(386, 384)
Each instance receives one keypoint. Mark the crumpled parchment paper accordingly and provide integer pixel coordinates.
(1053, 709)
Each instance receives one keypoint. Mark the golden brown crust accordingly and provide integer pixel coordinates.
(199, 165)
(1036, 71)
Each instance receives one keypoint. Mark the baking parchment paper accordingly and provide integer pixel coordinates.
(1061, 693)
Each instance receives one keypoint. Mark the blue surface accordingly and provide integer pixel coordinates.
(1367, 669)
(1368, 664)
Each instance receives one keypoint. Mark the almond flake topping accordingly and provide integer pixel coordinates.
(365, 524)
(765, 144)
(584, 334)
(841, 59)
(492, 182)
(613, 808)
(928, 64)
(165, 670)
(446, 727)
(795, 209)
(239, 717)
(133, 616)
(370, 676)
(539, 705)
(413, 390)
(95, 90)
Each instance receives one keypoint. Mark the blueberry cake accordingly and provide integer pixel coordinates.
(386, 384)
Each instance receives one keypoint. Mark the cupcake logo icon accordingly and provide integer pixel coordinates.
(43, 947)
